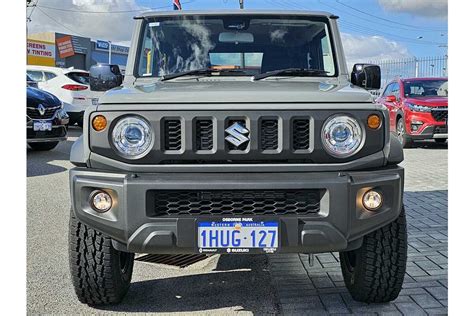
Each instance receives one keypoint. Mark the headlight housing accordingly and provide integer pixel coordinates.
(417, 108)
(342, 136)
(133, 137)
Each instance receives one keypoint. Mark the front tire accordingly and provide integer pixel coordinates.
(402, 136)
(374, 273)
(43, 146)
(100, 274)
(441, 140)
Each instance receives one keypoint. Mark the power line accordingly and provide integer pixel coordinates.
(387, 20)
(59, 23)
(371, 20)
(358, 28)
(109, 12)
(353, 26)
(29, 5)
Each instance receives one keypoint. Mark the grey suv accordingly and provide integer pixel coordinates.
(237, 132)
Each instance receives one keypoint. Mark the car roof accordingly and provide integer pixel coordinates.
(234, 12)
(55, 69)
(423, 78)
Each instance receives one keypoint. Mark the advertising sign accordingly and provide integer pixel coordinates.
(40, 53)
(116, 49)
(103, 45)
(65, 47)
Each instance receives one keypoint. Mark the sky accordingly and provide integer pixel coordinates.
(372, 30)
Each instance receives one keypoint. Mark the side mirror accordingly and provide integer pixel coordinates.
(366, 76)
(104, 77)
(390, 98)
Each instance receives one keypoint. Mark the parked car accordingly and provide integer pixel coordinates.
(237, 132)
(46, 120)
(70, 85)
(418, 109)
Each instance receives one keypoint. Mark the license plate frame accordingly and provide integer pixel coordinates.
(42, 126)
(271, 226)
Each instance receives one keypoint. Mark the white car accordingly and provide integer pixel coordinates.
(70, 85)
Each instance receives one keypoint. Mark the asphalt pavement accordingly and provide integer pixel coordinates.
(229, 284)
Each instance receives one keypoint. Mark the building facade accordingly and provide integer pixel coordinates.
(64, 50)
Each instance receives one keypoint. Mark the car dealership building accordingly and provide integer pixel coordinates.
(64, 50)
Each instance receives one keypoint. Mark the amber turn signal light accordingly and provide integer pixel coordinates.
(99, 123)
(373, 121)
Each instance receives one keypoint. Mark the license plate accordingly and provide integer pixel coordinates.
(95, 101)
(238, 236)
(42, 126)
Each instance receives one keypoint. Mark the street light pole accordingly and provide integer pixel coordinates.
(241, 2)
(110, 52)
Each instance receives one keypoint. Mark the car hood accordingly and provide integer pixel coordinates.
(265, 91)
(36, 96)
(429, 101)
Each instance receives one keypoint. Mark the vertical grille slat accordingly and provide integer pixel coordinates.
(204, 135)
(269, 134)
(172, 133)
(301, 134)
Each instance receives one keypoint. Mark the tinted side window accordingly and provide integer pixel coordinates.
(79, 77)
(36, 75)
(49, 75)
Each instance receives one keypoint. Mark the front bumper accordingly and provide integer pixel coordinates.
(58, 133)
(429, 128)
(339, 225)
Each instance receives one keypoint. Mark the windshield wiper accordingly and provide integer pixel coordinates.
(200, 71)
(291, 72)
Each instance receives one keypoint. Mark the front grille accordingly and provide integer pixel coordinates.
(235, 202)
(269, 134)
(301, 134)
(172, 133)
(33, 113)
(204, 135)
(440, 114)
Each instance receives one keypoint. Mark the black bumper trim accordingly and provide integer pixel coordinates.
(342, 219)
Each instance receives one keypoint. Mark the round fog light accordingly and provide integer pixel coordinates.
(101, 201)
(372, 200)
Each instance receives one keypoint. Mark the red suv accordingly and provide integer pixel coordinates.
(418, 108)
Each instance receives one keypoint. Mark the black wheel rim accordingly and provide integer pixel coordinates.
(124, 262)
(400, 130)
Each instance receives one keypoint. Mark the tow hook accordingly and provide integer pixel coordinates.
(311, 259)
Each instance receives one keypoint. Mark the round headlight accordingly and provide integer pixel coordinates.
(133, 137)
(342, 136)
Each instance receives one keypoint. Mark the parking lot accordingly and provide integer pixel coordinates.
(280, 284)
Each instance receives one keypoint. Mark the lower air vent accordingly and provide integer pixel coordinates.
(204, 135)
(172, 134)
(234, 202)
(269, 134)
(301, 134)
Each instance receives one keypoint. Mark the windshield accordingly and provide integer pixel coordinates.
(426, 88)
(252, 44)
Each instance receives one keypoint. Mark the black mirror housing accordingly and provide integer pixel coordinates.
(104, 77)
(367, 76)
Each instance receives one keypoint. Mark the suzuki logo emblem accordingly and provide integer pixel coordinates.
(237, 134)
(41, 109)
